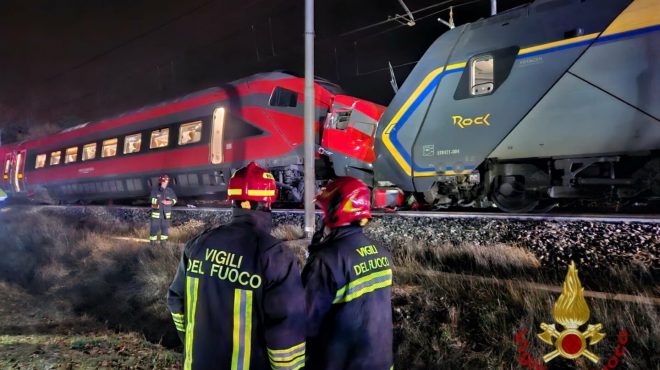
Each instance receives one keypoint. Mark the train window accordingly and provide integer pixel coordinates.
(342, 119)
(132, 143)
(109, 148)
(55, 158)
(282, 97)
(159, 138)
(481, 75)
(89, 151)
(40, 162)
(190, 133)
(71, 155)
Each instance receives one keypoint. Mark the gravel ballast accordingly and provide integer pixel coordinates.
(596, 243)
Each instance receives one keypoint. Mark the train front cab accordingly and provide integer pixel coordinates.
(348, 136)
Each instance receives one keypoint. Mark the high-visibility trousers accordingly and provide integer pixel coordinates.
(160, 222)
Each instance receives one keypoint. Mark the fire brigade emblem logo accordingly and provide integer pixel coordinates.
(571, 311)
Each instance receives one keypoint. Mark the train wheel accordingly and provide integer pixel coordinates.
(648, 177)
(510, 195)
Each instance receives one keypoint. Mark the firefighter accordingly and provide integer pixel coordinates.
(348, 281)
(237, 300)
(3, 196)
(162, 201)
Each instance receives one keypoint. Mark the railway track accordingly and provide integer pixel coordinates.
(557, 217)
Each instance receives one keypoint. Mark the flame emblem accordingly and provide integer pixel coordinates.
(571, 311)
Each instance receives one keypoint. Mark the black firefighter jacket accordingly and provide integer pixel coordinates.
(348, 292)
(237, 300)
(158, 209)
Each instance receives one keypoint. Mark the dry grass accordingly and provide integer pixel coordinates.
(471, 323)
(37, 333)
(121, 283)
(442, 320)
(288, 232)
(178, 234)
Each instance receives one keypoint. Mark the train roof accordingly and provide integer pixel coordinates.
(273, 76)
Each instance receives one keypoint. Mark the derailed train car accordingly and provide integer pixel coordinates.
(555, 100)
(199, 140)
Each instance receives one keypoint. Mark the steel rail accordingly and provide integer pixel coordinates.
(558, 217)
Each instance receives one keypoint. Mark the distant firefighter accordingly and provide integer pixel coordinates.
(237, 300)
(3, 196)
(348, 283)
(162, 200)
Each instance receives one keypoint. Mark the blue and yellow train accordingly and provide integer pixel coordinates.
(554, 100)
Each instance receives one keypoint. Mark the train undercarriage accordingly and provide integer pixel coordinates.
(529, 185)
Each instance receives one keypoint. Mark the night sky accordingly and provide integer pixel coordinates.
(65, 63)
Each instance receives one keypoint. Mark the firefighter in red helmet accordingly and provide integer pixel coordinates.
(348, 282)
(237, 300)
(162, 201)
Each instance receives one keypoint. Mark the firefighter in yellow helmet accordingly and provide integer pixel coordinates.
(162, 201)
(237, 300)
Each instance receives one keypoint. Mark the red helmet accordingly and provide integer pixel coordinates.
(344, 200)
(252, 183)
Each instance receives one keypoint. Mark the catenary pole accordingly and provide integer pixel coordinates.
(310, 183)
(493, 7)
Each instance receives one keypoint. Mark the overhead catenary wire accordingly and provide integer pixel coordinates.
(398, 26)
(392, 20)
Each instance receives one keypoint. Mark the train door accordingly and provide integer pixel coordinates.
(16, 171)
(218, 136)
(7, 165)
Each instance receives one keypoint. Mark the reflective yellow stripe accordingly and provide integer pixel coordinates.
(261, 193)
(155, 214)
(164, 237)
(179, 327)
(192, 285)
(242, 333)
(237, 327)
(288, 358)
(289, 365)
(364, 285)
(248, 329)
(235, 192)
(286, 350)
(153, 237)
(168, 215)
(154, 200)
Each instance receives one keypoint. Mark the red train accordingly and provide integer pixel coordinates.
(199, 139)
